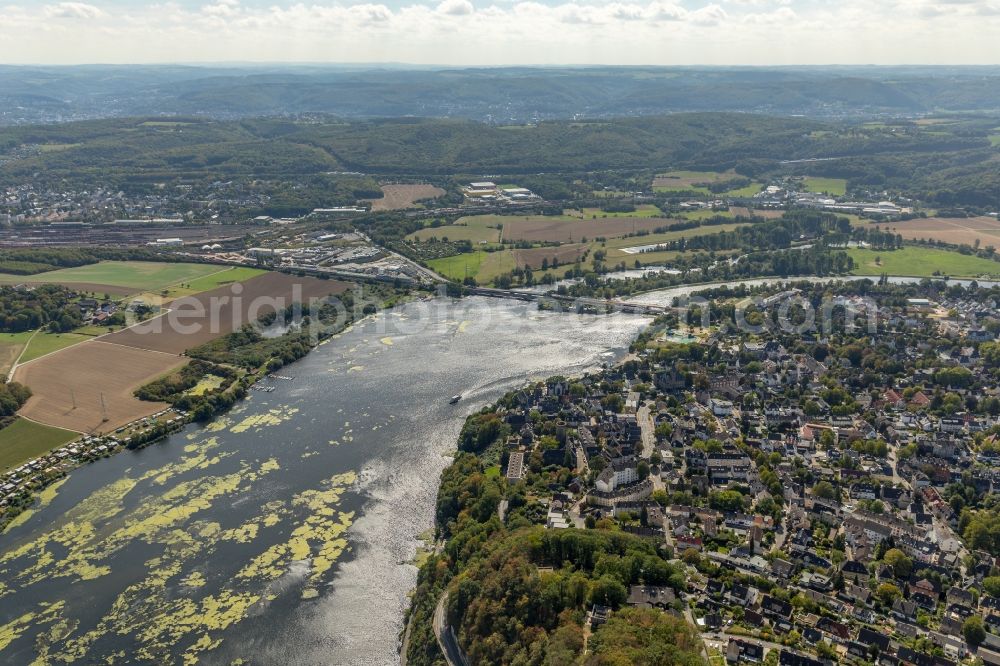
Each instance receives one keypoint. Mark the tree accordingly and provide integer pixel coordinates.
(901, 565)
(691, 556)
(608, 591)
(992, 585)
(974, 631)
(825, 490)
(826, 651)
(643, 470)
(887, 593)
(726, 500)
(644, 637)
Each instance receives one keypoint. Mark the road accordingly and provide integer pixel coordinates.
(446, 635)
(648, 428)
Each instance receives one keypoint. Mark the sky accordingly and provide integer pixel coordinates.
(502, 32)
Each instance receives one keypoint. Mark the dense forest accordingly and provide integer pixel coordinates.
(45, 305)
(944, 163)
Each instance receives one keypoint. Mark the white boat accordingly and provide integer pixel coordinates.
(454, 399)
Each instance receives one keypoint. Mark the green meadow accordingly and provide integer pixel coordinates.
(921, 262)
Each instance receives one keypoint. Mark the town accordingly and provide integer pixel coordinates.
(830, 495)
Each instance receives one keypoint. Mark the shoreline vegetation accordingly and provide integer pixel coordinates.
(240, 359)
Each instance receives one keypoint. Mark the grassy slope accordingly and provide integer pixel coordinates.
(24, 440)
(686, 178)
(473, 232)
(833, 186)
(220, 277)
(922, 262)
(10, 346)
(138, 275)
(484, 266)
(46, 343)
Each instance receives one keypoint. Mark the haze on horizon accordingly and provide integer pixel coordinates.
(502, 32)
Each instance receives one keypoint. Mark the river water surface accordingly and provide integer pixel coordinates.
(283, 532)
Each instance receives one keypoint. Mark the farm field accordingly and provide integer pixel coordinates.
(459, 232)
(706, 213)
(738, 211)
(574, 230)
(23, 440)
(922, 262)
(45, 343)
(69, 386)
(195, 320)
(994, 140)
(397, 197)
(686, 181)
(484, 266)
(564, 254)
(616, 244)
(118, 277)
(833, 186)
(220, 278)
(642, 210)
(94, 330)
(958, 231)
(11, 345)
(487, 266)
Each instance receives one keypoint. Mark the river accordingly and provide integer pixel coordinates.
(283, 532)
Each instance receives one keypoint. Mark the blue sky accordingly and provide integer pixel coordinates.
(500, 32)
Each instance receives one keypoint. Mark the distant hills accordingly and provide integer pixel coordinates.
(498, 95)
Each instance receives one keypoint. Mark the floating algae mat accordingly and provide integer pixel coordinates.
(140, 543)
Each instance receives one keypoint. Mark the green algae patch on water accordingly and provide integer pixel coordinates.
(19, 519)
(169, 609)
(47, 614)
(45, 497)
(272, 417)
(317, 539)
(193, 580)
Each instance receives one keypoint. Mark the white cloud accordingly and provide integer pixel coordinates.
(73, 10)
(223, 8)
(456, 7)
(494, 32)
(710, 15)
